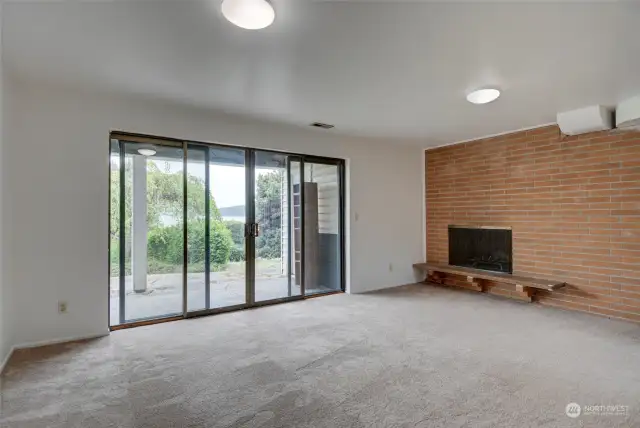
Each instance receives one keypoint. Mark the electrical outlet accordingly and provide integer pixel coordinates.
(62, 307)
(390, 267)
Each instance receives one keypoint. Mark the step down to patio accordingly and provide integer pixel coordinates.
(525, 285)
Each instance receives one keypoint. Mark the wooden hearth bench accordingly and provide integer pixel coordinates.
(525, 285)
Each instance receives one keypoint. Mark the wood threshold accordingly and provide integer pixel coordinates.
(327, 293)
(145, 322)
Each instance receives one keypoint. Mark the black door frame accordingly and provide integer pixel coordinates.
(250, 154)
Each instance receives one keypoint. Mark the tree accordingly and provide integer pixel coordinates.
(237, 231)
(165, 201)
(164, 196)
(237, 235)
(165, 190)
(269, 214)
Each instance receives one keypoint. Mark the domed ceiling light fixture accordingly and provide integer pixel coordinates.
(483, 96)
(249, 14)
(147, 152)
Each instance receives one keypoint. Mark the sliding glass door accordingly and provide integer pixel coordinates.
(200, 228)
(216, 242)
(277, 176)
(147, 213)
(322, 227)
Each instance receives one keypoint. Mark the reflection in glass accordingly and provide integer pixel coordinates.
(272, 201)
(228, 198)
(216, 257)
(152, 231)
(322, 253)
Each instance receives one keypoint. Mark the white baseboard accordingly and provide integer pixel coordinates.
(45, 343)
(57, 341)
(6, 359)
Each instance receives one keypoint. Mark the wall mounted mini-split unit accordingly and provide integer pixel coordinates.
(628, 114)
(587, 119)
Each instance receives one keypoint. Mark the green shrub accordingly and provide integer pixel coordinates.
(195, 238)
(237, 231)
(165, 244)
(237, 254)
(221, 243)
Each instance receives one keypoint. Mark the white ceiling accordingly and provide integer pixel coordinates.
(382, 69)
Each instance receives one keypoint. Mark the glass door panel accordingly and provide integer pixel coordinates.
(114, 233)
(272, 230)
(227, 262)
(295, 226)
(322, 228)
(197, 215)
(147, 182)
(216, 199)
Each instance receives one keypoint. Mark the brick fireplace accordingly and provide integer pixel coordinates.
(571, 203)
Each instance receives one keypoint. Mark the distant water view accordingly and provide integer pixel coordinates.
(232, 218)
(235, 212)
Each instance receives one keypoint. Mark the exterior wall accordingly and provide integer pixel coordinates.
(328, 197)
(327, 254)
(573, 204)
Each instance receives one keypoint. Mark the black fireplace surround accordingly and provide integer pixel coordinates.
(481, 248)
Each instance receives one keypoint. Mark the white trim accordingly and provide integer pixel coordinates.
(513, 131)
(346, 217)
(6, 359)
(423, 228)
(57, 341)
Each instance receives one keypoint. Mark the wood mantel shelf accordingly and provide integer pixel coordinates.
(524, 284)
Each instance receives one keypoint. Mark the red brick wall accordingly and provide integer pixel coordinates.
(573, 204)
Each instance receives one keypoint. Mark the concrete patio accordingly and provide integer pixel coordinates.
(164, 291)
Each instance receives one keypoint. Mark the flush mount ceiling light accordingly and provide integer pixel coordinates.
(483, 96)
(249, 14)
(147, 152)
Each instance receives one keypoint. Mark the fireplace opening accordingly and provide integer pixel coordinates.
(481, 248)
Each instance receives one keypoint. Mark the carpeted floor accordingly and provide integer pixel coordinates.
(416, 355)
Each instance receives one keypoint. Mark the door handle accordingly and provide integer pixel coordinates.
(255, 230)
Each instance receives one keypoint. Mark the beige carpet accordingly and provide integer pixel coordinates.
(417, 355)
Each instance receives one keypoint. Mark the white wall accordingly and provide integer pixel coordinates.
(5, 334)
(3, 339)
(57, 167)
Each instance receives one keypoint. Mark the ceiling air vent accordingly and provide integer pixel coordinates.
(321, 125)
